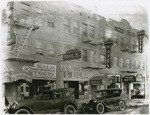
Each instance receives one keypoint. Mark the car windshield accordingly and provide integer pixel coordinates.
(43, 95)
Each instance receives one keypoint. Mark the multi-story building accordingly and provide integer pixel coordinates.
(39, 33)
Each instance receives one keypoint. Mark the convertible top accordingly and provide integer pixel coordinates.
(111, 89)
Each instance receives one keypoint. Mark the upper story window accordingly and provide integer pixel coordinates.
(51, 49)
(25, 10)
(92, 31)
(66, 25)
(84, 30)
(39, 45)
(121, 62)
(39, 12)
(102, 59)
(84, 55)
(67, 47)
(115, 61)
(128, 63)
(75, 27)
(50, 20)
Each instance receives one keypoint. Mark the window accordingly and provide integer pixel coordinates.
(84, 55)
(92, 30)
(102, 59)
(67, 47)
(128, 63)
(26, 47)
(25, 10)
(39, 17)
(75, 27)
(50, 20)
(92, 55)
(121, 62)
(50, 49)
(115, 61)
(66, 25)
(58, 95)
(84, 30)
(39, 45)
(27, 89)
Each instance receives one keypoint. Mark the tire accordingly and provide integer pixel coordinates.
(22, 111)
(122, 106)
(70, 109)
(100, 108)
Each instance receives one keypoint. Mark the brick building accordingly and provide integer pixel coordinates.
(38, 33)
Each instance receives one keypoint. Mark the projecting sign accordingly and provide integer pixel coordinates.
(72, 55)
(96, 82)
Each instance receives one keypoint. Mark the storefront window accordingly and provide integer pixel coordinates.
(138, 91)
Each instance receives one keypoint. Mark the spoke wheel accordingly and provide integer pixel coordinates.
(22, 111)
(122, 105)
(100, 108)
(69, 109)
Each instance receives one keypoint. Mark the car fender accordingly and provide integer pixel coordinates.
(71, 103)
(124, 100)
(25, 107)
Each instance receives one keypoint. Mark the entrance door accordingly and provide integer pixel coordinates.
(75, 85)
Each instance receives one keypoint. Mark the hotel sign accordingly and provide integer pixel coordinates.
(140, 35)
(41, 70)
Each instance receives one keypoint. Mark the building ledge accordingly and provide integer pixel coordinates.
(92, 67)
(128, 71)
(23, 59)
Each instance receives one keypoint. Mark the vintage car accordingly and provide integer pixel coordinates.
(47, 101)
(105, 99)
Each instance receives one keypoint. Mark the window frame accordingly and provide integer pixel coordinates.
(85, 56)
(92, 31)
(66, 26)
(51, 55)
(51, 19)
(39, 50)
(85, 33)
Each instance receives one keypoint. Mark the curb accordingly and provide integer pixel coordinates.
(137, 105)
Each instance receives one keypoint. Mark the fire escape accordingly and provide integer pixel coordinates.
(28, 28)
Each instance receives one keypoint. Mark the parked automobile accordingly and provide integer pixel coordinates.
(106, 99)
(45, 102)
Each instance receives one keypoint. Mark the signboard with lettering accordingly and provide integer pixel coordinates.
(41, 70)
(124, 31)
(140, 47)
(108, 51)
(72, 55)
(116, 79)
(96, 82)
(128, 79)
(139, 78)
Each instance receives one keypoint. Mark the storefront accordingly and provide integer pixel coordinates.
(25, 79)
(73, 78)
(134, 86)
(98, 83)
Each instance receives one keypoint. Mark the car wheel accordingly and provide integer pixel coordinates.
(100, 108)
(22, 111)
(70, 109)
(122, 105)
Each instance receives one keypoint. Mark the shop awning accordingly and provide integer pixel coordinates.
(16, 76)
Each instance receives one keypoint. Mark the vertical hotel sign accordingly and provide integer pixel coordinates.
(108, 45)
(140, 35)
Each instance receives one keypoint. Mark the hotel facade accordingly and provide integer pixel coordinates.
(38, 34)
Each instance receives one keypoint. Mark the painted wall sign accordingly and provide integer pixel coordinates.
(124, 31)
(41, 70)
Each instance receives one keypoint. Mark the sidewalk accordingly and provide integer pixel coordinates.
(137, 102)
